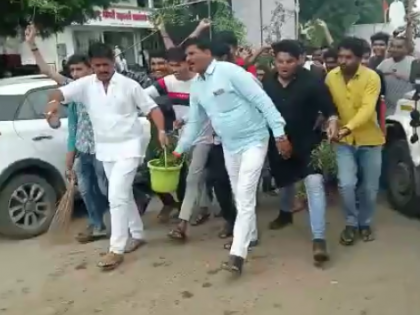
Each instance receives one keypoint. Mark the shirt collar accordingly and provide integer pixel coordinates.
(359, 71)
(114, 78)
(210, 70)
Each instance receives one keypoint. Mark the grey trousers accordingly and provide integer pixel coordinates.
(195, 184)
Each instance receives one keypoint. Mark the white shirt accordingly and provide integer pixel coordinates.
(114, 115)
(179, 93)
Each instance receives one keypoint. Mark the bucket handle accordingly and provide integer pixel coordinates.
(165, 156)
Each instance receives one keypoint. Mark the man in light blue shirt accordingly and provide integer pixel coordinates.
(240, 113)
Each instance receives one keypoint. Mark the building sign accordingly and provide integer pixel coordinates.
(122, 18)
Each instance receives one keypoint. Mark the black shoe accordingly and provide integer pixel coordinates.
(234, 265)
(319, 247)
(284, 219)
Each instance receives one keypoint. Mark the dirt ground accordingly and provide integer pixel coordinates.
(378, 278)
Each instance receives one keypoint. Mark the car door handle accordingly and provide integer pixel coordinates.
(40, 138)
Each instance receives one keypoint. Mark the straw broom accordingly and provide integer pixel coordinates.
(62, 218)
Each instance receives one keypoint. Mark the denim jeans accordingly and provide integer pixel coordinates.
(315, 191)
(359, 199)
(93, 187)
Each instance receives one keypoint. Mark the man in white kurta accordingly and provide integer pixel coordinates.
(112, 102)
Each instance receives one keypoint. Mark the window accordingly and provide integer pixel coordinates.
(9, 105)
(34, 106)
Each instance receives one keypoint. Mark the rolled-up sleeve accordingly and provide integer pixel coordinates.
(255, 95)
(196, 119)
(75, 91)
(142, 100)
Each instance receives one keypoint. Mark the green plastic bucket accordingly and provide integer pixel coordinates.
(164, 179)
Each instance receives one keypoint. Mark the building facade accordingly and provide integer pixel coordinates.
(125, 25)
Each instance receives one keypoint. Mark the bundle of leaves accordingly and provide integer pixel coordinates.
(322, 158)
(164, 156)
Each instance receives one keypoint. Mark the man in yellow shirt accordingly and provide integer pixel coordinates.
(355, 90)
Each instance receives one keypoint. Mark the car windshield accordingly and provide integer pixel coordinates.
(9, 104)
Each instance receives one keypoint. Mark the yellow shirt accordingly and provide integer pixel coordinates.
(356, 105)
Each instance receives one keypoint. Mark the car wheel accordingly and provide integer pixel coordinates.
(401, 179)
(27, 206)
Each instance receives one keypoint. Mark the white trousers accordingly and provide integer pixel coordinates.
(244, 171)
(125, 216)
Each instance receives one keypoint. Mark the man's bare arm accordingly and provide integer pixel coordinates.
(30, 34)
(167, 41)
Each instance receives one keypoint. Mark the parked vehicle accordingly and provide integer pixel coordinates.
(402, 159)
(32, 156)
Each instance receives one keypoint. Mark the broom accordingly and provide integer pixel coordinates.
(62, 218)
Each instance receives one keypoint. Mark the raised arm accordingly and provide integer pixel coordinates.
(196, 119)
(30, 34)
(167, 41)
(245, 85)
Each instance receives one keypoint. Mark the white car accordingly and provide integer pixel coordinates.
(32, 163)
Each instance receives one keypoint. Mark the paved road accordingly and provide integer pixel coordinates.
(379, 278)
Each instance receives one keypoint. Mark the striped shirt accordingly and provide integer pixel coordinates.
(179, 93)
(237, 106)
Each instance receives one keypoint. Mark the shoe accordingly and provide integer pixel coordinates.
(284, 219)
(319, 247)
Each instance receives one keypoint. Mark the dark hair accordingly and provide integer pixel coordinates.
(77, 59)
(289, 46)
(366, 47)
(354, 44)
(220, 49)
(175, 54)
(227, 37)
(100, 50)
(331, 53)
(157, 54)
(201, 43)
(381, 36)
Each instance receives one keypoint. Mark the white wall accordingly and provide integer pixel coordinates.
(249, 12)
(48, 48)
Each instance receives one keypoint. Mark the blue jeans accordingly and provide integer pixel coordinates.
(317, 204)
(93, 187)
(359, 199)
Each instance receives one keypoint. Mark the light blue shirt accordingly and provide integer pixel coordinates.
(239, 109)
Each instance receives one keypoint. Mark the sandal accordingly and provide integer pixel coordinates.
(200, 219)
(133, 244)
(348, 236)
(252, 244)
(234, 265)
(366, 234)
(226, 232)
(165, 214)
(110, 261)
(177, 234)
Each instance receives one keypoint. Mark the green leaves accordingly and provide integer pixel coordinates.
(49, 15)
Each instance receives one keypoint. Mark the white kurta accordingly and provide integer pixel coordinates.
(118, 140)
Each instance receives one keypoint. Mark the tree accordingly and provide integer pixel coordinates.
(49, 15)
(180, 20)
(340, 14)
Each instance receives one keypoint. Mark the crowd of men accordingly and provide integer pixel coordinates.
(233, 115)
